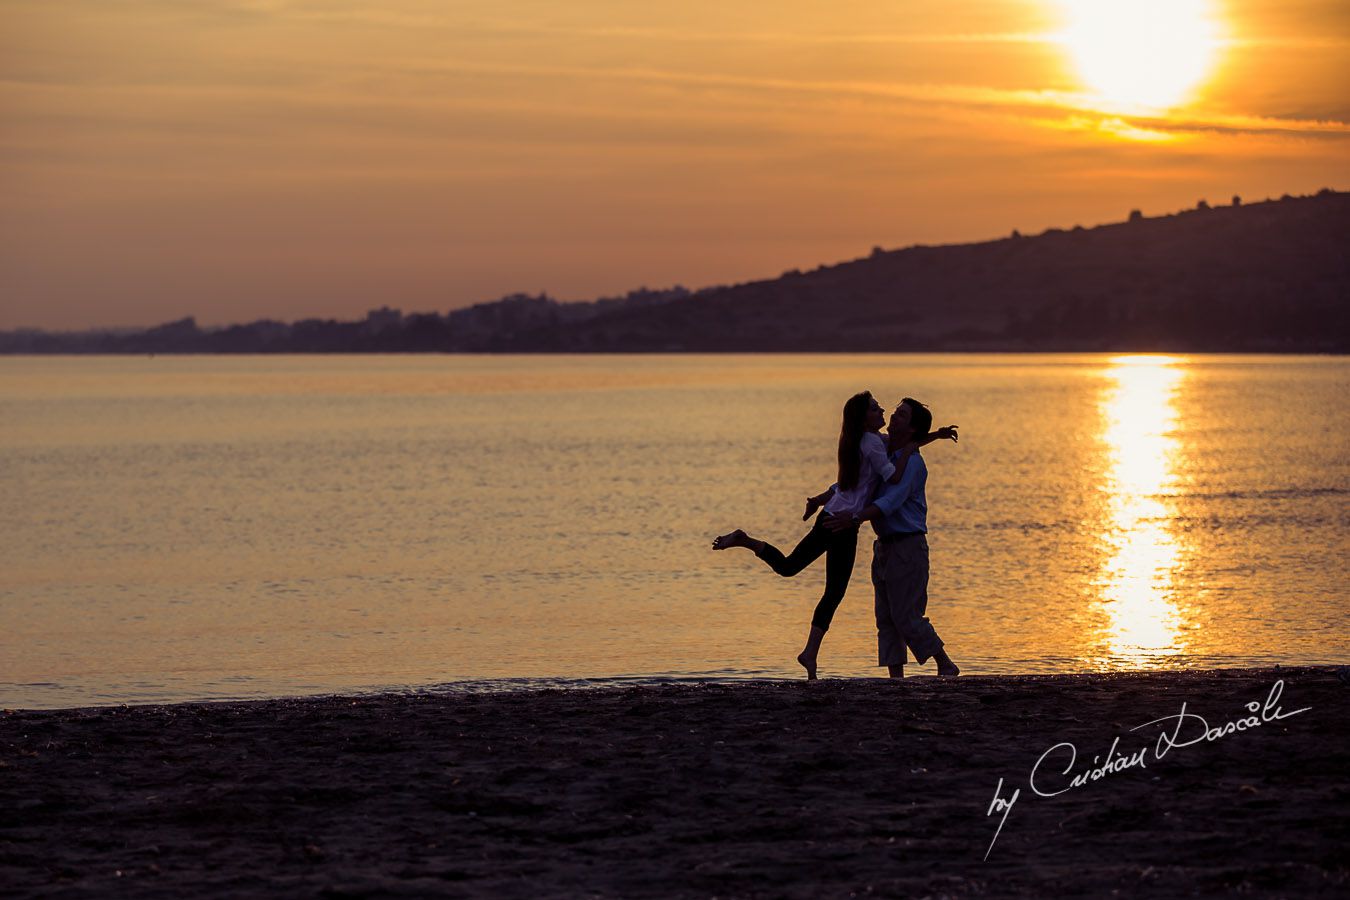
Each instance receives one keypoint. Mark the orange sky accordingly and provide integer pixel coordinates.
(264, 158)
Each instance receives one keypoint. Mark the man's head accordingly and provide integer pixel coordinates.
(910, 419)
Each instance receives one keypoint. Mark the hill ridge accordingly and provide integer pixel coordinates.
(1271, 276)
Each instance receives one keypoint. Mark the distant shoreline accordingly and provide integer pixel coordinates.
(1264, 277)
(657, 353)
(597, 685)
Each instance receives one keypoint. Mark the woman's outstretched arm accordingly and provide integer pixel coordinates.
(947, 432)
(816, 502)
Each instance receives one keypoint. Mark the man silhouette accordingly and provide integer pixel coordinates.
(899, 514)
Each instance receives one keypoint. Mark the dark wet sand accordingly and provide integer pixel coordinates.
(754, 790)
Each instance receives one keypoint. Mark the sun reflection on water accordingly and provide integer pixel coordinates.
(1141, 552)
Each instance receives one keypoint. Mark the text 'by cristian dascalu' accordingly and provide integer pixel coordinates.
(1054, 773)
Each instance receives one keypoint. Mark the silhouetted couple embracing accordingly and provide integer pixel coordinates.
(880, 481)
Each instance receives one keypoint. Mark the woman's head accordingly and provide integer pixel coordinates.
(861, 415)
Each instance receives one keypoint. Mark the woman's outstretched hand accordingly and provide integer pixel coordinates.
(948, 433)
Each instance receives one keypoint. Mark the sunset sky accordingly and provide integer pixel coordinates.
(264, 158)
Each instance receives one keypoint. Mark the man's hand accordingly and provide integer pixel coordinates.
(834, 522)
(812, 504)
(947, 433)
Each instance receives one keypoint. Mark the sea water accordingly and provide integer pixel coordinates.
(195, 527)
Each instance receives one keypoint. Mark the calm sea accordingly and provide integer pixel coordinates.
(208, 527)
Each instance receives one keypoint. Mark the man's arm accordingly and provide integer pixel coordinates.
(891, 498)
(947, 432)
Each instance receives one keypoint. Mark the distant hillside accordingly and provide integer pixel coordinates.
(1270, 276)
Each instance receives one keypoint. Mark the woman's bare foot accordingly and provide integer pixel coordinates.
(809, 664)
(811, 652)
(735, 538)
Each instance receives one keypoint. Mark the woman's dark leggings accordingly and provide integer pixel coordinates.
(839, 547)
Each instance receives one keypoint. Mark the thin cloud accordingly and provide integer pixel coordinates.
(392, 18)
(770, 37)
(281, 11)
(1290, 43)
(1075, 108)
(951, 95)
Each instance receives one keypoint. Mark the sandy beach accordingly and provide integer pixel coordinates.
(777, 789)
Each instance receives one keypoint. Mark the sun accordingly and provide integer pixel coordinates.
(1142, 53)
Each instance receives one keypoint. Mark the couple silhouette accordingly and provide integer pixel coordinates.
(880, 480)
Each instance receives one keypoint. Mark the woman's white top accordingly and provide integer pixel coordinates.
(874, 468)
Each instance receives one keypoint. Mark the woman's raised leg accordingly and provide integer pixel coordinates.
(807, 551)
(736, 538)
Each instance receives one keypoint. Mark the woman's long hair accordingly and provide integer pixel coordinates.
(850, 438)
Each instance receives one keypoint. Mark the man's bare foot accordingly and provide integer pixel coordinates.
(735, 538)
(808, 664)
(945, 667)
